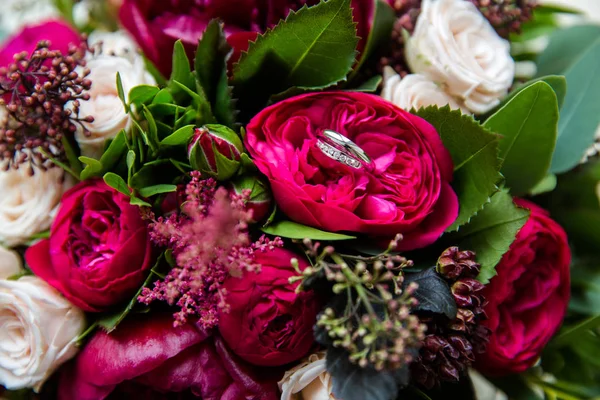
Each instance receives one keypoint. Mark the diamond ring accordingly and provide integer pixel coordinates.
(340, 148)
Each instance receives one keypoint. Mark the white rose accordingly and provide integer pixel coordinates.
(104, 104)
(38, 332)
(414, 91)
(118, 44)
(10, 263)
(18, 13)
(455, 46)
(308, 381)
(28, 203)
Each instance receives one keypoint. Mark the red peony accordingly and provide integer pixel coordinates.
(269, 323)
(146, 356)
(528, 299)
(98, 251)
(58, 33)
(407, 191)
(158, 24)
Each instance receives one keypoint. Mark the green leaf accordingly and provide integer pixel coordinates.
(565, 48)
(474, 152)
(136, 201)
(157, 189)
(116, 182)
(71, 156)
(121, 93)
(211, 72)
(547, 184)
(181, 72)
(130, 164)
(369, 86)
(142, 94)
(180, 137)
(528, 125)
(570, 334)
(580, 115)
(163, 97)
(93, 167)
(110, 158)
(65, 7)
(557, 82)
(313, 48)
(381, 30)
(155, 173)
(293, 230)
(152, 129)
(491, 232)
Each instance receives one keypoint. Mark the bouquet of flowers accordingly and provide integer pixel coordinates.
(299, 199)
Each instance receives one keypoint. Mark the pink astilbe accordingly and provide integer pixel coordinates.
(210, 243)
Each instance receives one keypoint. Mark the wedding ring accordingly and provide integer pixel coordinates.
(340, 148)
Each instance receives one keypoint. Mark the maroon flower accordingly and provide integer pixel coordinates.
(406, 191)
(157, 24)
(98, 249)
(269, 323)
(149, 355)
(529, 296)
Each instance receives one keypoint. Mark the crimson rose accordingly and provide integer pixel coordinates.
(407, 191)
(149, 355)
(157, 24)
(268, 322)
(99, 249)
(528, 298)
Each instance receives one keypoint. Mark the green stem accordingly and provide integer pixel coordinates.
(355, 282)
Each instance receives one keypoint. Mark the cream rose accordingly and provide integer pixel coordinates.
(38, 332)
(456, 47)
(28, 203)
(118, 44)
(414, 91)
(10, 263)
(104, 104)
(308, 381)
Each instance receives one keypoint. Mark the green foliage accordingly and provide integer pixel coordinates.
(211, 60)
(141, 94)
(313, 48)
(528, 125)
(109, 160)
(575, 52)
(558, 83)
(181, 137)
(491, 232)
(293, 230)
(474, 151)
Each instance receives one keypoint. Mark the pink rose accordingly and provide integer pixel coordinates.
(407, 190)
(157, 24)
(269, 323)
(148, 355)
(58, 33)
(528, 299)
(99, 249)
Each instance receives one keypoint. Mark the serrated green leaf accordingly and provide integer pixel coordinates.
(474, 152)
(180, 137)
(313, 48)
(212, 55)
(528, 125)
(116, 182)
(293, 230)
(491, 232)
(157, 189)
(580, 115)
(142, 94)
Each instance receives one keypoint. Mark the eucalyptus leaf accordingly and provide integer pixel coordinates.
(491, 232)
(313, 48)
(293, 230)
(528, 124)
(474, 152)
(433, 293)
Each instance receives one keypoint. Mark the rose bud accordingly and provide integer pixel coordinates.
(260, 198)
(215, 151)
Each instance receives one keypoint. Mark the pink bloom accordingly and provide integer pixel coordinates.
(268, 323)
(99, 250)
(148, 354)
(528, 299)
(58, 33)
(407, 191)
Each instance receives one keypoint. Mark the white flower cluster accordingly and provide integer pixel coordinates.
(456, 58)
